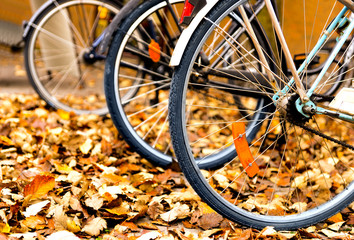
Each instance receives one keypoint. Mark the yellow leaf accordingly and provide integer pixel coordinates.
(72, 226)
(205, 208)
(122, 210)
(86, 146)
(40, 186)
(35, 222)
(63, 114)
(6, 141)
(5, 228)
(62, 168)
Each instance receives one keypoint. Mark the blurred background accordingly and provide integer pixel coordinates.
(14, 12)
(12, 74)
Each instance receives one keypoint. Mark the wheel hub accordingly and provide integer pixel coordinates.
(287, 108)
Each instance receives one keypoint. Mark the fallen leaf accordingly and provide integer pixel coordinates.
(25, 236)
(63, 114)
(39, 186)
(148, 226)
(35, 222)
(336, 226)
(94, 202)
(268, 231)
(336, 218)
(210, 220)
(86, 146)
(150, 235)
(73, 226)
(178, 212)
(62, 235)
(332, 234)
(5, 228)
(95, 226)
(210, 233)
(35, 208)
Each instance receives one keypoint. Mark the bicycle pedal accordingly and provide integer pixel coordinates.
(344, 101)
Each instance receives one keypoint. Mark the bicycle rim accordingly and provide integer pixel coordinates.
(59, 56)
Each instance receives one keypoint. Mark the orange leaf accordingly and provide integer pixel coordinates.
(243, 150)
(40, 185)
(35, 222)
(336, 218)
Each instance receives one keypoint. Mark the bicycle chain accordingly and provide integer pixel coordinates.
(324, 135)
(295, 123)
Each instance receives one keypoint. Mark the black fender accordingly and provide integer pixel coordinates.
(114, 25)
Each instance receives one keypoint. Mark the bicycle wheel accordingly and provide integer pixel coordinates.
(60, 57)
(137, 61)
(293, 171)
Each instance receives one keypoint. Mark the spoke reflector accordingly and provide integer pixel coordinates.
(154, 51)
(243, 149)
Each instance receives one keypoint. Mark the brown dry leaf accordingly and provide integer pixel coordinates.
(94, 202)
(210, 233)
(148, 226)
(245, 235)
(178, 212)
(35, 222)
(39, 186)
(60, 219)
(123, 210)
(337, 235)
(3, 236)
(95, 226)
(155, 209)
(210, 220)
(150, 235)
(336, 226)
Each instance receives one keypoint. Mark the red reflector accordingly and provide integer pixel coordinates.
(187, 10)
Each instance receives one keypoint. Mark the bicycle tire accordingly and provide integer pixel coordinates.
(60, 63)
(137, 31)
(120, 112)
(238, 195)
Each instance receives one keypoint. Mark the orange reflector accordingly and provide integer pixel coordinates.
(243, 150)
(154, 51)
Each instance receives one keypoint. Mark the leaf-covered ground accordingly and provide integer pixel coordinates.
(73, 177)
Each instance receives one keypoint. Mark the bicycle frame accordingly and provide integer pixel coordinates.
(304, 105)
(307, 106)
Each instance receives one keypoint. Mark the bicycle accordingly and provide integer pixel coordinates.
(60, 54)
(286, 142)
(137, 63)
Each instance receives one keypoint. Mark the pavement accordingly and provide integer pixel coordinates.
(13, 78)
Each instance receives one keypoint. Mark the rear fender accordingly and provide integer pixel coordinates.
(187, 32)
(114, 25)
(27, 25)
